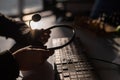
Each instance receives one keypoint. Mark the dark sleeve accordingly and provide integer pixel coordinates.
(19, 31)
(9, 69)
(12, 28)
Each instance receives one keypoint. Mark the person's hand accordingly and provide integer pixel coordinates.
(41, 35)
(28, 58)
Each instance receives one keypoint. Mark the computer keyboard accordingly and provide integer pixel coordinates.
(70, 63)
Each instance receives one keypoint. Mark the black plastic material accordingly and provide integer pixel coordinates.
(72, 37)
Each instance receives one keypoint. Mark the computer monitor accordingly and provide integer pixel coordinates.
(16, 7)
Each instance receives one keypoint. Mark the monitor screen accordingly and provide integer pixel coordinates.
(14, 7)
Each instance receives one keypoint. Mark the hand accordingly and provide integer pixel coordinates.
(41, 35)
(29, 58)
(45, 35)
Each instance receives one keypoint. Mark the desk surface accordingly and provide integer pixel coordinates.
(102, 48)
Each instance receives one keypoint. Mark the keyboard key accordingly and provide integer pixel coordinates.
(65, 74)
(66, 78)
(73, 76)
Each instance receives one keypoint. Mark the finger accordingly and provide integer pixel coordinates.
(49, 53)
(41, 29)
(47, 31)
(28, 46)
(44, 36)
(45, 39)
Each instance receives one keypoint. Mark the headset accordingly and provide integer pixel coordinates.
(36, 17)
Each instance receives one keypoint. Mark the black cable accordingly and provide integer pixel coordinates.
(37, 17)
(105, 61)
(72, 37)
